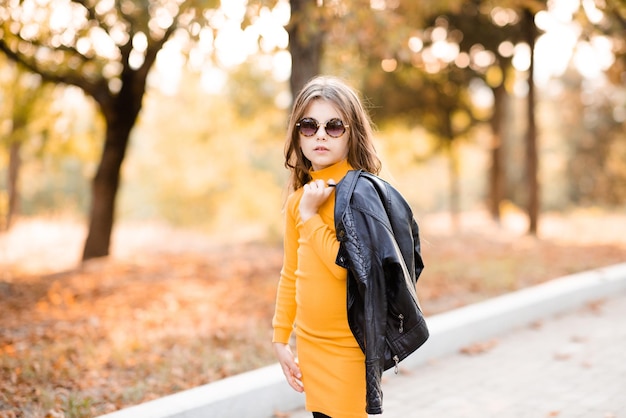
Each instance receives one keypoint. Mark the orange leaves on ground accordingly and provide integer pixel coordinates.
(479, 348)
(121, 331)
(59, 295)
(8, 349)
(115, 333)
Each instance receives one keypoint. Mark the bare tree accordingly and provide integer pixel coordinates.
(106, 49)
(532, 159)
(307, 32)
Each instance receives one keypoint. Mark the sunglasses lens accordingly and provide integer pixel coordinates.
(335, 128)
(308, 127)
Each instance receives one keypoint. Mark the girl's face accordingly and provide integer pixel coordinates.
(329, 144)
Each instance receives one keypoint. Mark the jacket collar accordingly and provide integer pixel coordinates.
(344, 190)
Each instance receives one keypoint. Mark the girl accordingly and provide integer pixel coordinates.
(329, 134)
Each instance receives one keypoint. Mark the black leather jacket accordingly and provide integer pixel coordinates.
(380, 247)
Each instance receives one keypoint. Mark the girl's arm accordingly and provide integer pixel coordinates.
(324, 241)
(285, 310)
(313, 228)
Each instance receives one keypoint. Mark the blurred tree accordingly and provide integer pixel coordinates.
(596, 167)
(438, 102)
(591, 108)
(107, 49)
(596, 131)
(459, 42)
(307, 30)
(224, 172)
(336, 37)
(44, 127)
(26, 114)
(487, 34)
(532, 159)
(614, 23)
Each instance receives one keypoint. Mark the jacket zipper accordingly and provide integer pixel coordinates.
(395, 358)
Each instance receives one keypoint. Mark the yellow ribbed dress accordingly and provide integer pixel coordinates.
(312, 295)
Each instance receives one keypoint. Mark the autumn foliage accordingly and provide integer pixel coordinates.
(79, 342)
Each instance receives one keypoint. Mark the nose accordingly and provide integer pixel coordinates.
(321, 134)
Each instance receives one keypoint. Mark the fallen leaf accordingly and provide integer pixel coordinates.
(479, 348)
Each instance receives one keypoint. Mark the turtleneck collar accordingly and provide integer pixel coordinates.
(336, 172)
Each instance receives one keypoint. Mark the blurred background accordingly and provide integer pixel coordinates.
(176, 112)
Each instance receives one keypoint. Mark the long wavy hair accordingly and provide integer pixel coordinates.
(361, 151)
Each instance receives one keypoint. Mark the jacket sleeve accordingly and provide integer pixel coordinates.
(419, 262)
(376, 319)
(370, 276)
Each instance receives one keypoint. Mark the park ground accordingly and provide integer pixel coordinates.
(173, 309)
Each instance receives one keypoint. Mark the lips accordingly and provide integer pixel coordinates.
(320, 148)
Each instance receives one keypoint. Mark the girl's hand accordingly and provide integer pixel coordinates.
(315, 194)
(290, 367)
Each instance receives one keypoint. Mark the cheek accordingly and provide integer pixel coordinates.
(303, 153)
(346, 149)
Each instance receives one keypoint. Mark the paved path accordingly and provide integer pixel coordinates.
(569, 366)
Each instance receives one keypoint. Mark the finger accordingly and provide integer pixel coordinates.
(295, 370)
(290, 367)
(295, 381)
(297, 385)
(331, 183)
(317, 185)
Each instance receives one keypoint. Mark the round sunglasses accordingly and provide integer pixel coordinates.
(309, 127)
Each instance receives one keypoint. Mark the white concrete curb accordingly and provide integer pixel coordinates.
(262, 392)
(258, 393)
(458, 328)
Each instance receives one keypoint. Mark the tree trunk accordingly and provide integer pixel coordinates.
(120, 113)
(15, 162)
(120, 109)
(455, 188)
(104, 189)
(496, 171)
(532, 160)
(306, 38)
